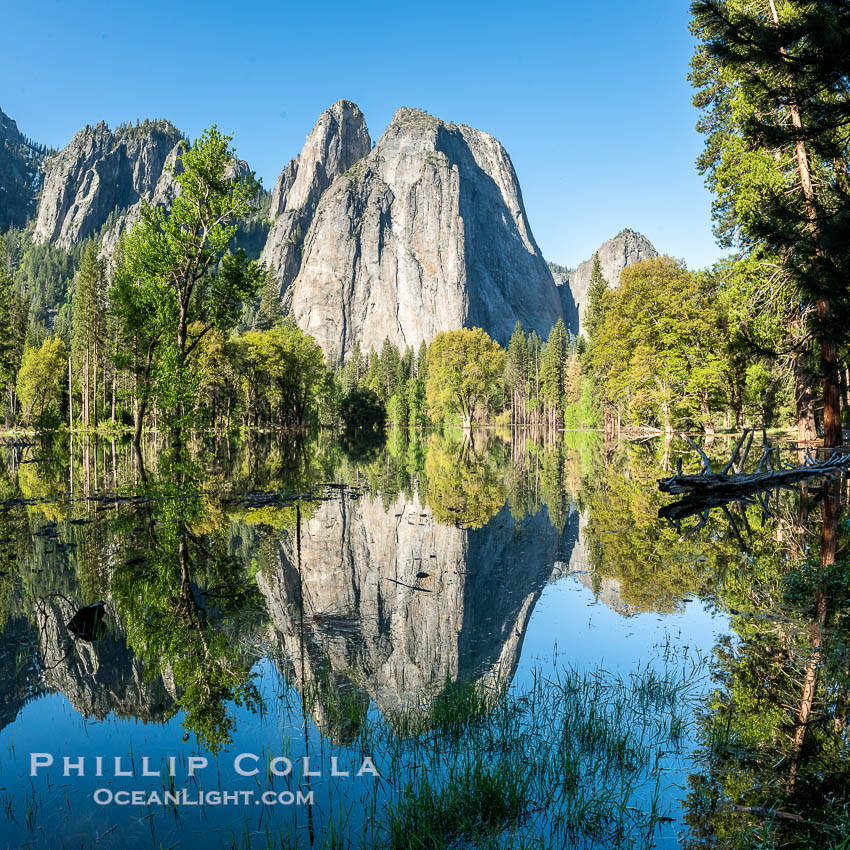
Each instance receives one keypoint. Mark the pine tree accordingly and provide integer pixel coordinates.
(422, 361)
(390, 370)
(552, 373)
(270, 311)
(516, 373)
(773, 82)
(533, 360)
(594, 311)
(13, 319)
(88, 309)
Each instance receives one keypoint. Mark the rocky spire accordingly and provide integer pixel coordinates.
(426, 233)
(625, 248)
(100, 171)
(339, 138)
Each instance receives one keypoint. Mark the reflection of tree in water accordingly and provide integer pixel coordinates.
(99, 677)
(465, 486)
(185, 601)
(776, 765)
(57, 568)
(774, 762)
(624, 539)
(371, 615)
(181, 601)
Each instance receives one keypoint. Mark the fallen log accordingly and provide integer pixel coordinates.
(731, 486)
(770, 814)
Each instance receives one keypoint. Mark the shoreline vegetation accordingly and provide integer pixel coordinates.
(180, 336)
(180, 329)
(577, 756)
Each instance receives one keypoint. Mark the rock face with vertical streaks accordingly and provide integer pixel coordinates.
(339, 139)
(426, 233)
(100, 677)
(626, 248)
(20, 174)
(98, 172)
(388, 602)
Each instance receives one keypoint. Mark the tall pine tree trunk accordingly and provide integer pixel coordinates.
(85, 393)
(95, 387)
(832, 434)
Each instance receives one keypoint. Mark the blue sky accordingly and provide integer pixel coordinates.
(590, 99)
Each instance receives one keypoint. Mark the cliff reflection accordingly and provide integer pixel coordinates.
(415, 569)
(392, 604)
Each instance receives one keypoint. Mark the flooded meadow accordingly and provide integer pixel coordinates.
(443, 641)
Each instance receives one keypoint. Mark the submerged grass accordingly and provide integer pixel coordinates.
(474, 802)
(577, 758)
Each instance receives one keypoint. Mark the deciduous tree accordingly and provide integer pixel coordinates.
(465, 369)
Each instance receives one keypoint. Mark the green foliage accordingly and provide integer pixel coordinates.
(90, 329)
(13, 316)
(594, 311)
(465, 488)
(43, 275)
(771, 82)
(465, 370)
(40, 381)
(552, 371)
(270, 310)
(660, 346)
(363, 416)
(168, 280)
(476, 803)
(283, 375)
(178, 602)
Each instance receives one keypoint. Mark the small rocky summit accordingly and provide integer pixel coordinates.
(338, 140)
(97, 172)
(626, 248)
(426, 232)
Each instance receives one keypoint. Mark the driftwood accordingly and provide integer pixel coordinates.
(724, 486)
(770, 814)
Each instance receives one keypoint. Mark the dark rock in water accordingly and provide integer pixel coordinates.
(87, 623)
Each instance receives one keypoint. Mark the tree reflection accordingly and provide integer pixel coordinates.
(774, 740)
(184, 600)
(656, 567)
(466, 487)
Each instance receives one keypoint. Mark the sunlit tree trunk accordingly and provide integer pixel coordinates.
(832, 434)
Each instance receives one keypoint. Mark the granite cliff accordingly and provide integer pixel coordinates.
(626, 248)
(425, 233)
(339, 138)
(100, 171)
(20, 174)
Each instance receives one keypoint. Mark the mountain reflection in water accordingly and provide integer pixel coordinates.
(259, 583)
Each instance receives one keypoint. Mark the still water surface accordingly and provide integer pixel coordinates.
(308, 603)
